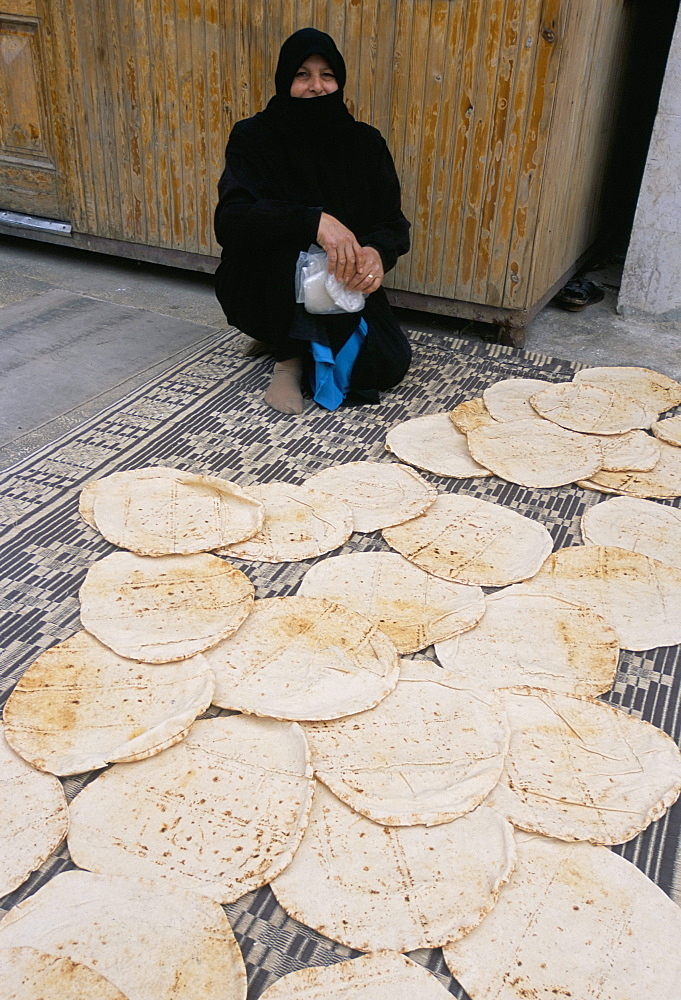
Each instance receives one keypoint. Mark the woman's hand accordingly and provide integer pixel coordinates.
(369, 275)
(341, 246)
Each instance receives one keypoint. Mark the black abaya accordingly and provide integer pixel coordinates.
(284, 166)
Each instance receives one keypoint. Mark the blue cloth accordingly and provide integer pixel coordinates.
(332, 375)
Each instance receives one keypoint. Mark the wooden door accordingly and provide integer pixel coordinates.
(33, 180)
(148, 113)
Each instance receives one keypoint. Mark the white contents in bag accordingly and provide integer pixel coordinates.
(319, 291)
(315, 295)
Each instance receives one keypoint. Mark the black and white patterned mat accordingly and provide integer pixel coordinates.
(207, 415)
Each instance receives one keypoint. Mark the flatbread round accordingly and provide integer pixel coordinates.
(221, 813)
(573, 921)
(173, 512)
(412, 607)
(662, 482)
(153, 940)
(80, 706)
(639, 596)
(669, 430)
(369, 886)
(86, 500)
(634, 451)
(579, 769)
(642, 526)
(429, 753)
(467, 540)
(303, 658)
(380, 493)
(592, 409)
(433, 443)
(27, 974)
(648, 387)
(163, 609)
(470, 414)
(535, 453)
(300, 523)
(383, 975)
(538, 640)
(34, 818)
(509, 399)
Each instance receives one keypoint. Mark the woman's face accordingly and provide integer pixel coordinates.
(314, 79)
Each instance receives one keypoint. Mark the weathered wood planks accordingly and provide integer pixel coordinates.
(499, 113)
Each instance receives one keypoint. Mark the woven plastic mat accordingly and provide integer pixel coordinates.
(206, 415)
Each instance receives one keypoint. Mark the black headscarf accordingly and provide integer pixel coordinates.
(300, 46)
(319, 117)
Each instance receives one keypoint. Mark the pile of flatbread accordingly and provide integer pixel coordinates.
(392, 804)
(605, 430)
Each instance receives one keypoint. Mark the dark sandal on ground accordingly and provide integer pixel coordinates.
(578, 294)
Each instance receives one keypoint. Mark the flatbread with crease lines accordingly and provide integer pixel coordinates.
(371, 887)
(591, 409)
(379, 976)
(189, 816)
(379, 493)
(579, 769)
(302, 658)
(27, 974)
(80, 706)
(467, 540)
(428, 753)
(166, 608)
(34, 817)
(575, 921)
(638, 596)
(653, 529)
(411, 606)
(470, 414)
(299, 523)
(540, 640)
(434, 444)
(535, 453)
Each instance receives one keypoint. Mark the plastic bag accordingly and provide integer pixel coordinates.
(320, 292)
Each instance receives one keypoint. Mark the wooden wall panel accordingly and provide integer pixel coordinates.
(444, 164)
(409, 163)
(483, 116)
(510, 46)
(522, 243)
(496, 111)
(156, 92)
(23, 125)
(468, 57)
(581, 139)
(138, 74)
(429, 116)
(404, 19)
(157, 145)
(511, 155)
(217, 104)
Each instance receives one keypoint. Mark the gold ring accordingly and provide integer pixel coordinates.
(369, 275)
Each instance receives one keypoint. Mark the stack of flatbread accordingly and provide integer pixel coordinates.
(595, 431)
(458, 797)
